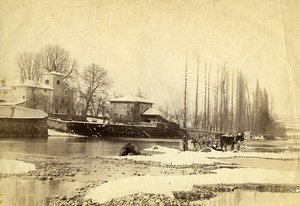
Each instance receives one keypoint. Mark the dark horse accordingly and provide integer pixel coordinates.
(230, 140)
(129, 149)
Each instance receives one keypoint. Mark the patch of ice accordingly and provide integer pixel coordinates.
(15, 166)
(167, 184)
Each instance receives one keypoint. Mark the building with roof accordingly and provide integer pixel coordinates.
(51, 95)
(28, 94)
(153, 115)
(62, 95)
(128, 109)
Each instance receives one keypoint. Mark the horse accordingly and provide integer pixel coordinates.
(227, 139)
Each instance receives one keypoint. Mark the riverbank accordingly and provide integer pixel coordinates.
(164, 176)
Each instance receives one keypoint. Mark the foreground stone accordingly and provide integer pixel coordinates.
(266, 187)
(146, 199)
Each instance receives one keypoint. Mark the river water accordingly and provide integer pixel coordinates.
(70, 146)
(30, 192)
(250, 198)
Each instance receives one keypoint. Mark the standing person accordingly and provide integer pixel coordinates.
(185, 142)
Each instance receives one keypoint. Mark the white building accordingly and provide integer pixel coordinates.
(51, 95)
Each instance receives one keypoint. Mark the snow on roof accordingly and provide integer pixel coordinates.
(55, 73)
(30, 83)
(5, 88)
(131, 99)
(12, 103)
(152, 111)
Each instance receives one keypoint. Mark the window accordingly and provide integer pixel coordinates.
(57, 82)
(45, 90)
(66, 92)
(23, 97)
(47, 81)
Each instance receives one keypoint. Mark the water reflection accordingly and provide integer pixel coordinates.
(17, 192)
(249, 198)
(64, 146)
(274, 143)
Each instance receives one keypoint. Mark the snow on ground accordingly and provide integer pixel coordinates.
(157, 148)
(15, 166)
(177, 157)
(167, 184)
(61, 134)
(181, 158)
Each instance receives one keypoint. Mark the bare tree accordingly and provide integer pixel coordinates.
(205, 97)
(141, 94)
(185, 95)
(29, 66)
(95, 80)
(196, 122)
(36, 99)
(99, 104)
(55, 58)
(208, 98)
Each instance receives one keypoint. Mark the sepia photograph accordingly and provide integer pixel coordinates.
(149, 102)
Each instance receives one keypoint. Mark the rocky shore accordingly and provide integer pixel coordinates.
(95, 171)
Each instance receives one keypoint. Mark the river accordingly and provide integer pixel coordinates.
(31, 192)
(72, 146)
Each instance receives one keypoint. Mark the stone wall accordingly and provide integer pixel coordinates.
(23, 127)
(22, 122)
(58, 125)
(114, 130)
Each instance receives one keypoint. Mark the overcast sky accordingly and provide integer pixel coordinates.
(144, 43)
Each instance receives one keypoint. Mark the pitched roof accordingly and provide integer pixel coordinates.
(12, 103)
(34, 84)
(5, 88)
(55, 73)
(152, 111)
(131, 99)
